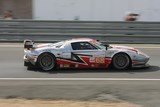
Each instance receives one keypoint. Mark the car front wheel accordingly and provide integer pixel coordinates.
(121, 61)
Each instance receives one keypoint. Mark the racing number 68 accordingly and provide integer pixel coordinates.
(99, 60)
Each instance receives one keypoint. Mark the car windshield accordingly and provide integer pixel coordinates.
(99, 45)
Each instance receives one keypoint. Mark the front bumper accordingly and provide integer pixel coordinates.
(140, 61)
(141, 66)
(30, 59)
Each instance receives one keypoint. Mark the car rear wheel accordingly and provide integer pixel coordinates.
(121, 61)
(46, 61)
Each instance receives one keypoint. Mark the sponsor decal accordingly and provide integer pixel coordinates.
(92, 59)
(66, 66)
(81, 60)
(76, 65)
(61, 65)
(92, 65)
(99, 60)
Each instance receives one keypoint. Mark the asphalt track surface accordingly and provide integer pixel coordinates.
(140, 86)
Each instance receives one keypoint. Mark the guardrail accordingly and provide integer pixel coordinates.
(51, 31)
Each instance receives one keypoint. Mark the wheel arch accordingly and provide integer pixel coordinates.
(47, 53)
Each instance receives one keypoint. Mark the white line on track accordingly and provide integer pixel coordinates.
(80, 79)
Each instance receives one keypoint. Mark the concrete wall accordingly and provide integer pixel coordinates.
(22, 9)
(108, 10)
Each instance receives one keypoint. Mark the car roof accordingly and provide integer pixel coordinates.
(80, 40)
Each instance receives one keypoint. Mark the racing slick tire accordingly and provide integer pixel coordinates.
(47, 61)
(121, 61)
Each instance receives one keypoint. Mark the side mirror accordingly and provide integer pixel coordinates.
(106, 45)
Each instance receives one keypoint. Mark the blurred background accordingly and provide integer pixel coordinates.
(102, 10)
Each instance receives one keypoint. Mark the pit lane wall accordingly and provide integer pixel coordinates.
(105, 31)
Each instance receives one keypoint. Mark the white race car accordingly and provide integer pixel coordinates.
(81, 53)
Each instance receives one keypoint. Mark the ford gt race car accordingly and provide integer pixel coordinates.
(81, 53)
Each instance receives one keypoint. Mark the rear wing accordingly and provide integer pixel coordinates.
(28, 44)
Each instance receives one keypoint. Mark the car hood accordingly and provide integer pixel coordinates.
(124, 48)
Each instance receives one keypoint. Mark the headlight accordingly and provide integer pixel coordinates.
(143, 54)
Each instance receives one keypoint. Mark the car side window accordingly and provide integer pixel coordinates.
(82, 46)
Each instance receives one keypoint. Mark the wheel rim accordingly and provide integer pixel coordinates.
(47, 62)
(121, 61)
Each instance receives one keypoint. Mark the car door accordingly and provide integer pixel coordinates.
(87, 55)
